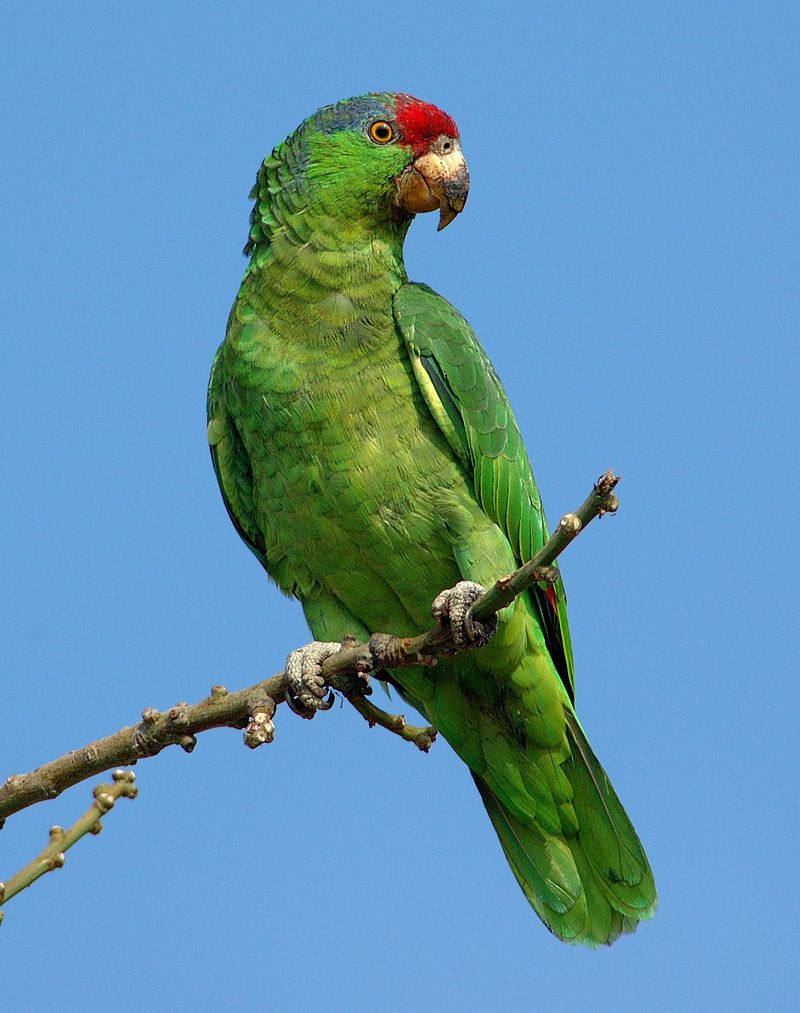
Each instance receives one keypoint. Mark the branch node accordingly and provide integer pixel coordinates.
(150, 715)
(606, 483)
(56, 832)
(610, 505)
(260, 702)
(260, 729)
(353, 685)
(123, 775)
(425, 738)
(364, 661)
(546, 574)
(187, 743)
(570, 523)
(218, 692)
(103, 798)
(179, 714)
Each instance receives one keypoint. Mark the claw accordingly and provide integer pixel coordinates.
(454, 606)
(297, 706)
(294, 704)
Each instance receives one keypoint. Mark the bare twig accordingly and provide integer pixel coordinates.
(423, 738)
(105, 795)
(600, 501)
(252, 709)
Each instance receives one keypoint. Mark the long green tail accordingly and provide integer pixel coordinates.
(591, 886)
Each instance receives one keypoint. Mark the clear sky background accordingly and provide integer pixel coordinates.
(629, 259)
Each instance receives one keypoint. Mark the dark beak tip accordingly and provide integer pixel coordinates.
(447, 214)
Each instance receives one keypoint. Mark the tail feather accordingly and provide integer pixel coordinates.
(587, 887)
(611, 844)
(605, 921)
(543, 867)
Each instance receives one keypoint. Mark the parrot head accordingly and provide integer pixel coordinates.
(374, 159)
(390, 153)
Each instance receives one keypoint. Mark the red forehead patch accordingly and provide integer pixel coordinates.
(421, 123)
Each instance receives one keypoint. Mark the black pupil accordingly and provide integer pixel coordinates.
(382, 132)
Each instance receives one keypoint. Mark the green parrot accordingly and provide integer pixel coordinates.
(368, 456)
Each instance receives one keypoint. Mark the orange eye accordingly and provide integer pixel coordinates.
(381, 132)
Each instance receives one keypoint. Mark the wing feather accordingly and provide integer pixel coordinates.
(468, 402)
(232, 465)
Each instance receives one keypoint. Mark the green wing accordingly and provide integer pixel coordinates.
(231, 463)
(471, 408)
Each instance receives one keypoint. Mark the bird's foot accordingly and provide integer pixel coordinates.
(305, 691)
(454, 607)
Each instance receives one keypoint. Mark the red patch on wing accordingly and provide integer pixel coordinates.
(551, 597)
(421, 123)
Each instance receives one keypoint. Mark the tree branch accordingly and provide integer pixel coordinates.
(423, 738)
(105, 795)
(252, 709)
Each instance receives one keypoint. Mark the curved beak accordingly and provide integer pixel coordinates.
(437, 179)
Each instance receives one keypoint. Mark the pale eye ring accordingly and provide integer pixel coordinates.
(381, 132)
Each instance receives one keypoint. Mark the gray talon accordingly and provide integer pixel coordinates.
(454, 607)
(306, 690)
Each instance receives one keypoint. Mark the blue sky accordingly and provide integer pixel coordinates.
(628, 257)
